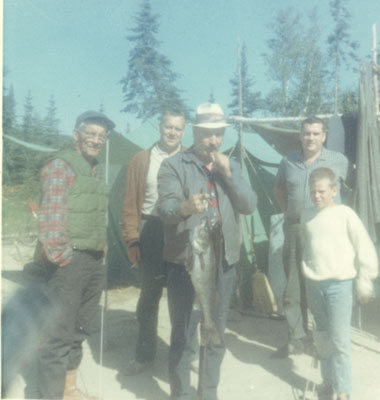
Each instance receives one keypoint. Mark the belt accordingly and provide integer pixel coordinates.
(150, 217)
(97, 254)
(293, 220)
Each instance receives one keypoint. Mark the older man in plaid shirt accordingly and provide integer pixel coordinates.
(72, 240)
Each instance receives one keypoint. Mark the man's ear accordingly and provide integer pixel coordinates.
(75, 135)
(325, 137)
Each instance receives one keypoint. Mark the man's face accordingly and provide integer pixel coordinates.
(312, 138)
(171, 130)
(322, 193)
(207, 141)
(89, 140)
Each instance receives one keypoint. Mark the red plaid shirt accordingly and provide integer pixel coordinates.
(57, 180)
(212, 212)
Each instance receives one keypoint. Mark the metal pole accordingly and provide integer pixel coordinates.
(104, 299)
(238, 293)
(202, 364)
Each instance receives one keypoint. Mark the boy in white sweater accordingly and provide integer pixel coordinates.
(337, 255)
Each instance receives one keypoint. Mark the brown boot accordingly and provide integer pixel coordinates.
(325, 391)
(71, 391)
(343, 396)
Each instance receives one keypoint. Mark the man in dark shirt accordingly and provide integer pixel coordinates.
(292, 193)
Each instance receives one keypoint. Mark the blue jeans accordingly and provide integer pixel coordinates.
(330, 302)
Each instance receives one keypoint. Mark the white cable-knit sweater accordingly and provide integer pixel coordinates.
(336, 245)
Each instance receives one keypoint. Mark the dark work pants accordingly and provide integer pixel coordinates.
(295, 307)
(75, 292)
(184, 320)
(153, 279)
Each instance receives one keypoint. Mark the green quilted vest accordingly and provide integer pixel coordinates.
(87, 205)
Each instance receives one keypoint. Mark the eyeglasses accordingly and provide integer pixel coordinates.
(93, 135)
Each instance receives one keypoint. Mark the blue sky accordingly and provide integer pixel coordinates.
(76, 49)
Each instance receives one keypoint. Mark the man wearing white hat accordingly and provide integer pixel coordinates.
(200, 183)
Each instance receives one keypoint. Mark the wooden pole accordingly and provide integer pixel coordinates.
(240, 106)
(374, 59)
(237, 118)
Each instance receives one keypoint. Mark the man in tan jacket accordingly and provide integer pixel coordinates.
(143, 232)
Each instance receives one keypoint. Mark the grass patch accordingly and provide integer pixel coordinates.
(17, 216)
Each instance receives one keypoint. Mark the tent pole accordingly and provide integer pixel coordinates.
(238, 118)
(104, 300)
(240, 106)
(240, 153)
(375, 72)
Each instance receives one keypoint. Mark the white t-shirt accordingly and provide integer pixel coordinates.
(157, 155)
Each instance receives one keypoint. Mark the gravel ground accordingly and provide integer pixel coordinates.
(248, 371)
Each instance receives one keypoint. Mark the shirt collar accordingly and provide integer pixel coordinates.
(322, 156)
(189, 155)
(159, 151)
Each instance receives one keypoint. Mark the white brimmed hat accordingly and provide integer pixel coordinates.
(210, 115)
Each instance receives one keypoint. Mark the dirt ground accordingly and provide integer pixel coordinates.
(248, 371)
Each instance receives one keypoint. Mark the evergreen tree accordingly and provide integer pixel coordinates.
(18, 160)
(9, 110)
(283, 60)
(27, 120)
(349, 101)
(21, 165)
(310, 94)
(297, 64)
(51, 123)
(148, 86)
(251, 101)
(9, 106)
(342, 50)
(10, 149)
(211, 98)
(33, 160)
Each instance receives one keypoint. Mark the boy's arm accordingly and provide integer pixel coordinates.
(366, 258)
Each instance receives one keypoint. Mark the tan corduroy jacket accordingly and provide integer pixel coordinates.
(135, 194)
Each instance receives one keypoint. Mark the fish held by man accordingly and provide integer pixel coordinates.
(203, 270)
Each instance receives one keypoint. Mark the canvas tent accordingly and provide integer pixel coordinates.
(259, 169)
(260, 166)
(263, 147)
(356, 135)
(367, 190)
